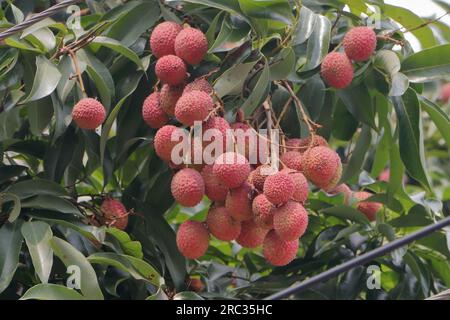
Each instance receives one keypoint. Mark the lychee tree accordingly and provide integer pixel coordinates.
(89, 97)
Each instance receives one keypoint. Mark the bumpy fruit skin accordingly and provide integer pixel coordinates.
(219, 130)
(345, 190)
(292, 160)
(238, 203)
(278, 188)
(290, 221)
(232, 169)
(152, 112)
(114, 213)
(199, 84)
(263, 211)
(222, 225)
(192, 239)
(277, 251)
(320, 166)
(301, 187)
(163, 142)
(249, 144)
(360, 43)
(251, 235)
(188, 187)
(335, 180)
(445, 93)
(191, 45)
(311, 142)
(370, 209)
(88, 113)
(193, 106)
(214, 189)
(169, 97)
(162, 40)
(337, 70)
(258, 176)
(171, 69)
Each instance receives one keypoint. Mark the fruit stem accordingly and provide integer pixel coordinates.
(77, 71)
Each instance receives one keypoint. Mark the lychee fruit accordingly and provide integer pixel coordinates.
(199, 84)
(301, 187)
(171, 69)
(220, 128)
(263, 212)
(360, 43)
(188, 187)
(337, 70)
(152, 112)
(335, 180)
(195, 284)
(193, 106)
(279, 188)
(192, 239)
(292, 160)
(114, 213)
(370, 209)
(311, 142)
(88, 113)
(445, 93)
(251, 235)
(169, 97)
(321, 165)
(345, 190)
(259, 175)
(214, 189)
(290, 221)
(222, 225)
(163, 141)
(232, 169)
(249, 144)
(162, 39)
(279, 252)
(239, 204)
(191, 45)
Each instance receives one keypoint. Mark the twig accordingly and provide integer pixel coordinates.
(77, 71)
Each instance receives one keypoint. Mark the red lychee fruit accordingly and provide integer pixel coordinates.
(251, 235)
(249, 144)
(345, 190)
(445, 93)
(169, 97)
(191, 45)
(337, 70)
(301, 187)
(88, 113)
(238, 202)
(195, 284)
(259, 175)
(277, 251)
(171, 69)
(263, 212)
(193, 106)
(214, 189)
(162, 39)
(152, 112)
(360, 43)
(370, 209)
(321, 165)
(335, 180)
(232, 169)
(199, 84)
(290, 221)
(114, 213)
(222, 225)
(192, 239)
(216, 128)
(292, 160)
(163, 141)
(188, 187)
(279, 188)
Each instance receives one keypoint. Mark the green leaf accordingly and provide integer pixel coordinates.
(229, 37)
(279, 10)
(305, 26)
(232, 80)
(119, 48)
(226, 5)
(10, 244)
(346, 213)
(17, 207)
(399, 85)
(344, 124)
(318, 43)
(29, 188)
(50, 202)
(133, 248)
(45, 80)
(358, 101)
(282, 65)
(358, 156)
(187, 295)
(40, 114)
(51, 292)
(258, 93)
(72, 257)
(37, 235)
(439, 117)
(428, 65)
(388, 61)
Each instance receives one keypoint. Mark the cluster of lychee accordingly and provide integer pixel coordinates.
(359, 45)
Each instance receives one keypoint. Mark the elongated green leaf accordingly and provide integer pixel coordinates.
(232, 80)
(133, 248)
(259, 92)
(358, 156)
(29, 188)
(279, 10)
(439, 117)
(119, 48)
(318, 43)
(187, 295)
(51, 202)
(45, 80)
(10, 244)
(358, 102)
(428, 65)
(305, 26)
(51, 292)
(347, 213)
(17, 207)
(282, 65)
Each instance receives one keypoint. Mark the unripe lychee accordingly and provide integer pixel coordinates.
(290, 221)
(222, 225)
(232, 169)
(114, 213)
(239, 204)
(251, 235)
(445, 93)
(258, 176)
(337, 70)
(192, 239)
(199, 84)
(191, 45)
(292, 160)
(301, 187)
(193, 106)
(369, 209)
(188, 187)
(277, 251)
(360, 43)
(169, 97)
(214, 189)
(278, 188)
(162, 39)
(88, 113)
(263, 212)
(320, 165)
(345, 190)
(163, 141)
(152, 112)
(171, 69)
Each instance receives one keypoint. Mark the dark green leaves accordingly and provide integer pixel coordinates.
(10, 244)
(358, 101)
(45, 81)
(356, 161)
